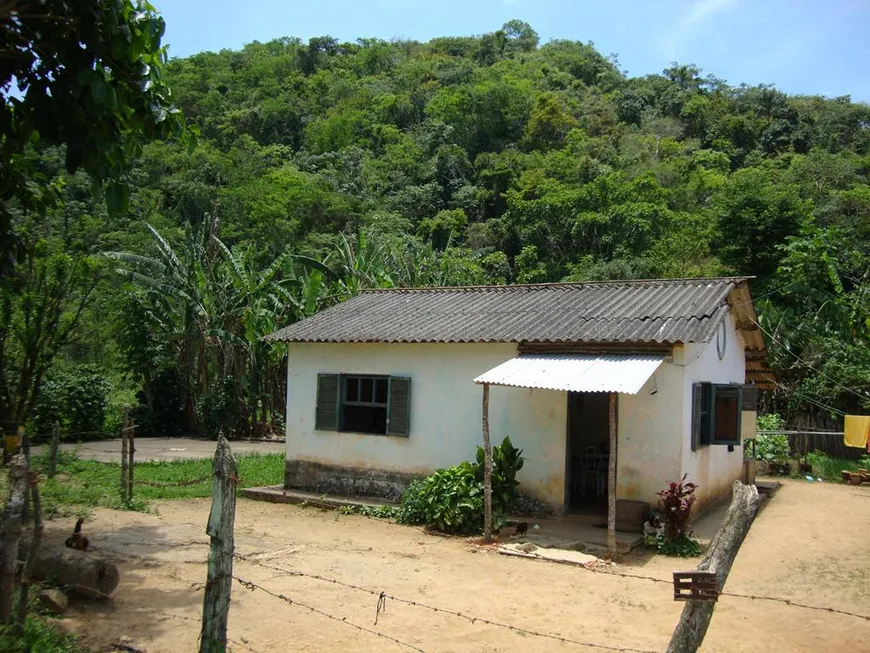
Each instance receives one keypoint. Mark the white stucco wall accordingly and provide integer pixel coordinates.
(648, 450)
(713, 468)
(446, 412)
(654, 444)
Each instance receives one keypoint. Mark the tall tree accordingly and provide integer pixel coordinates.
(87, 75)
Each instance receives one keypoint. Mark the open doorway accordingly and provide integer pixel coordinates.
(588, 447)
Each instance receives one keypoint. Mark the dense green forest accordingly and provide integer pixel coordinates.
(326, 167)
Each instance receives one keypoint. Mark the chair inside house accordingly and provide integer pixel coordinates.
(588, 454)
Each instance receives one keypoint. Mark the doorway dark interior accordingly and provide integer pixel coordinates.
(588, 452)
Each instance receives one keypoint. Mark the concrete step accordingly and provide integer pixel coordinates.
(278, 494)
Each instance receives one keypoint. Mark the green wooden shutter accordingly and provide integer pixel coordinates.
(326, 414)
(697, 397)
(399, 406)
(750, 397)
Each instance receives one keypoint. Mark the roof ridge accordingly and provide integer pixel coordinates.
(556, 285)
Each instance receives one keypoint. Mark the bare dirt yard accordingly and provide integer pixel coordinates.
(810, 544)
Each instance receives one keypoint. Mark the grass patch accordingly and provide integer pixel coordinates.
(94, 484)
(40, 635)
(829, 468)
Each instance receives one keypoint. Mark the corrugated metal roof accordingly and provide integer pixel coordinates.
(659, 311)
(626, 374)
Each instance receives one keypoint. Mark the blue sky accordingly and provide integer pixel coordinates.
(802, 46)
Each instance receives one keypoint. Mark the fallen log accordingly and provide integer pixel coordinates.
(85, 574)
(690, 631)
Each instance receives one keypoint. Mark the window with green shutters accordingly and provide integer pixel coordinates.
(716, 414)
(363, 403)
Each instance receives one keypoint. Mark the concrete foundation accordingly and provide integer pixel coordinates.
(344, 481)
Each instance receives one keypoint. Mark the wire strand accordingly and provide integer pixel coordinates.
(382, 595)
(254, 586)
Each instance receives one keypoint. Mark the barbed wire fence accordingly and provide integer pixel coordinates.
(381, 598)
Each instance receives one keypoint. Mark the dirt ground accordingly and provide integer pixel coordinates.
(810, 544)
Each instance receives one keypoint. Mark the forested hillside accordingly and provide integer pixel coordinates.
(324, 167)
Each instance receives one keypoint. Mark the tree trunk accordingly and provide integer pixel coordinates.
(85, 574)
(216, 603)
(10, 535)
(24, 438)
(55, 443)
(696, 616)
(24, 594)
(487, 469)
(611, 476)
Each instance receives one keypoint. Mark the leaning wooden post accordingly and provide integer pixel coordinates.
(131, 448)
(487, 469)
(24, 593)
(10, 534)
(55, 443)
(216, 604)
(124, 493)
(611, 477)
(694, 621)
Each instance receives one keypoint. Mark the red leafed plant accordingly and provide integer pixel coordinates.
(675, 505)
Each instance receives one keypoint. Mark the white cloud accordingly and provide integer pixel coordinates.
(698, 14)
(702, 10)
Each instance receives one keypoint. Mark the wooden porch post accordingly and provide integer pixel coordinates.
(487, 469)
(611, 478)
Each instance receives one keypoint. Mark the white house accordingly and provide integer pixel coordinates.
(386, 386)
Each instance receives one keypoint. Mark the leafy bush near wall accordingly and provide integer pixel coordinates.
(451, 500)
(77, 398)
(771, 447)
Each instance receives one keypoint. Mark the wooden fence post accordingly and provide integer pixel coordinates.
(24, 594)
(219, 584)
(10, 534)
(131, 442)
(693, 624)
(124, 454)
(55, 443)
(611, 476)
(487, 469)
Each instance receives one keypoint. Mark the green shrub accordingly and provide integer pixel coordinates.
(40, 635)
(77, 398)
(451, 500)
(221, 411)
(507, 461)
(772, 447)
(165, 413)
(682, 547)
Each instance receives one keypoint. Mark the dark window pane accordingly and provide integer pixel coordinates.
(365, 419)
(366, 389)
(380, 391)
(352, 390)
(726, 416)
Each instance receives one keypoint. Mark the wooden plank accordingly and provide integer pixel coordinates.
(695, 586)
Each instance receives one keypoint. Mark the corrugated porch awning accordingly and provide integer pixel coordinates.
(623, 373)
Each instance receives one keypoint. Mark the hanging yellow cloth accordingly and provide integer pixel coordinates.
(856, 430)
